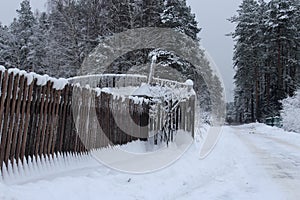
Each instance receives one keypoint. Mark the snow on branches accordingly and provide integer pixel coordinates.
(290, 113)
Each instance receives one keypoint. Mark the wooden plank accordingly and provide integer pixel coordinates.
(49, 121)
(64, 117)
(3, 94)
(120, 129)
(91, 122)
(12, 116)
(54, 131)
(72, 134)
(76, 105)
(59, 121)
(193, 110)
(188, 116)
(6, 118)
(22, 120)
(145, 119)
(27, 118)
(16, 128)
(2, 103)
(29, 150)
(1, 74)
(45, 118)
(84, 136)
(111, 119)
(110, 124)
(41, 120)
(69, 134)
(31, 136)
(132, 129)
(99, 111)
(183, 116)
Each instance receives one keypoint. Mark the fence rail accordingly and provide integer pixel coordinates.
(40, 119)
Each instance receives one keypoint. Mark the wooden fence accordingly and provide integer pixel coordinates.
(41, 120)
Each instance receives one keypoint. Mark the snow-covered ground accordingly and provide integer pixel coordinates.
(249, 162)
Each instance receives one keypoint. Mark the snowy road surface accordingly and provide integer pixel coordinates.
(249, 162)
(279, 156)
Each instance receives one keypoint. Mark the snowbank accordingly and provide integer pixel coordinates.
(230, 172)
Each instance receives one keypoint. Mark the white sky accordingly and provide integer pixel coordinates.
(211, 15)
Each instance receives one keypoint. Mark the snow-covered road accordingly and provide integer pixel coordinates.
(249, 162)
(278, 155)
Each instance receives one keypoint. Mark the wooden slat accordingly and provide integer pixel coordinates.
(83, 136)
(119, 130)
(76, 102)
(64, 112)
(41, 120)
(29, 150)
(2, 104)
(98, 108)
(49, 122)
(16, 128)
(193, 108)
(6, 118)
(69, 120)
(27, 119)
(11, 109)
(3, 94)
(45, 118)
(57, 102)
(22, 120)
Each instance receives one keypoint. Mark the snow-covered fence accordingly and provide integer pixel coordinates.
(37, 115)
(182, 118)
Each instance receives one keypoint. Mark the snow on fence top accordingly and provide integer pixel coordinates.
(131, 80)
(42, 80)
(134, 87)
(107, 83)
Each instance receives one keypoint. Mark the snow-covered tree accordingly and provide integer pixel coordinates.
(290, 113)
(178, 15)
(7, 56)
(22, 28)
(266, 56)
(38, 45)
(245, 60)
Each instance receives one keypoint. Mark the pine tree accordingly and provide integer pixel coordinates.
(6, 44)
(22, 29)
(178, 15)
(38, 45)
(245, 59)
(65, 47)
(266, 57)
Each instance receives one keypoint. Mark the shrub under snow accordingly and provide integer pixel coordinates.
(291, 113)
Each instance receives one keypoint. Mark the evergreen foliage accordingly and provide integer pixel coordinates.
(57, 42)
(266, 57)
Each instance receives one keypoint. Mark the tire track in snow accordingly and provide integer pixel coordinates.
(280, 159)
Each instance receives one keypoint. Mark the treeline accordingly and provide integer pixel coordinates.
(57, 41)
(266, 57)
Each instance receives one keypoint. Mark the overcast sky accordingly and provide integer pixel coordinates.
(211, 15)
